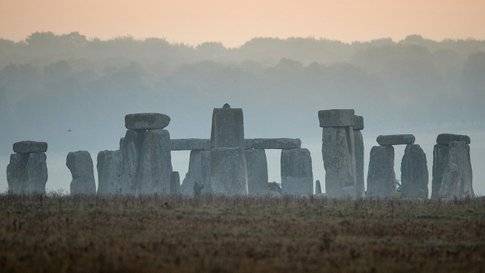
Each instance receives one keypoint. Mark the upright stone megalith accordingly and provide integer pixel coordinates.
(198, 173)
(338, 152)
(452, 170)
(257, 168)
(175, 183)
(296, 172)
(381, 178)
(146, 165)
(81, 166)
(359, 155)
(109, 172)
(27, 170)
(228, 160)
(414, 173)
(228, 171)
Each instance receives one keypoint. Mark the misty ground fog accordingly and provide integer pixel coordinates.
(73, 92)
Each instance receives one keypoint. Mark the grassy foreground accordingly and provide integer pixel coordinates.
(161, 234)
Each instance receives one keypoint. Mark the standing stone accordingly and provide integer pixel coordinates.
(227, 127)
(146, 165)
(381, 179)
(27, 169)
(359, 155)
(199, 172)
(109, 172)
(81, 166)
(457, 172)
(318, 187)
(452, 166)
(175, 183)
(154, 163)
(228, 160)
(414, 173)
(338, 152)
(257, 172)
(228, 171)
(296, 172)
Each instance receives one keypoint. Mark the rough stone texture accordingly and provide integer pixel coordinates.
(109, 172)
(228, 171)
(81, 166)
(318, 187)
(155, 163)
(227, 127)
(175, 183)
(457, 175)
(257, 169)
(146, 162)
(296, 172)
(274, 189)
(402, 139)
(190, 144)
(338, 152)
(381, 179)
(359, 163)
(336, 118)
(445, 139)
(358, 122)
(27, 147)
(199, 171)
(440, 160)
(146, 121)
(414, 173)
(27, 173)
(272, 143)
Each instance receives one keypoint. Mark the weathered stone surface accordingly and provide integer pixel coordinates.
(190, 144)
(155, 163)
(272, 143)
(358, 122)
(318, 187)
(81, 166)
(457, 173)
(146, 162)
(440, 160)
(130, 149)
(227, 127)
(414, 173)
(403, 139)
(296, 172)
(359, 163)
(199, 172)
(274, 189)
(381, 179)
(145, 121)
(175, 183)
(109, 172)
(257, 169)
(228, 171)
(336, 117)
(27, 173)
(16, 173)
(445, 139)
(338, 152)
(26, 147)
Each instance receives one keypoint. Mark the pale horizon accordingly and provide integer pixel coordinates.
(233, 24)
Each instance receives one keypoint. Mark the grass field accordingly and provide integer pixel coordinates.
(161, 234)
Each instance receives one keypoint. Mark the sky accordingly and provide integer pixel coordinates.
(235, 22)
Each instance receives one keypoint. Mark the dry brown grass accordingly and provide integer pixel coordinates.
(157, 234)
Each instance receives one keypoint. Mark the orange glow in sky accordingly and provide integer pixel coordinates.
(234, 22)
